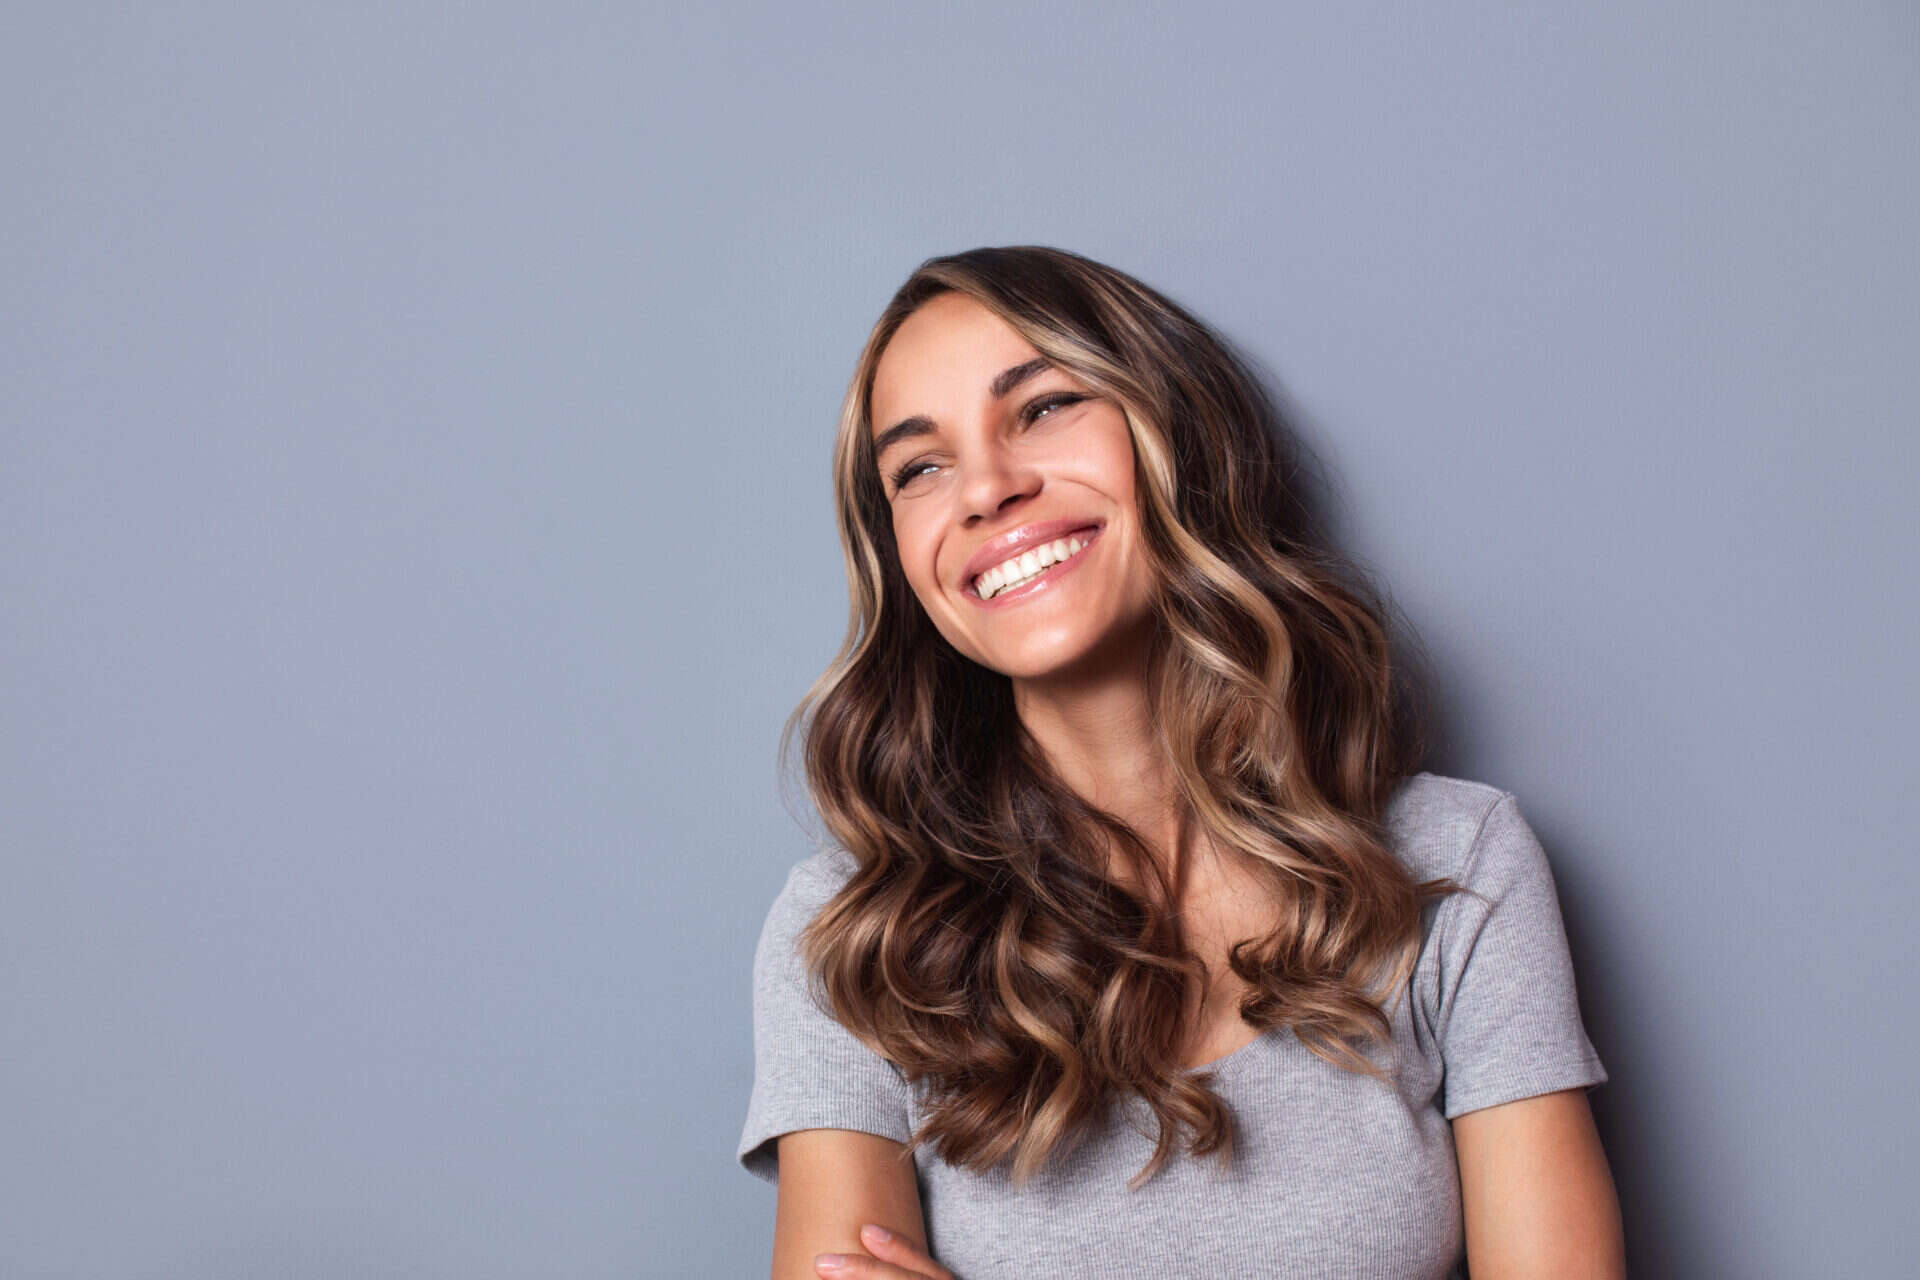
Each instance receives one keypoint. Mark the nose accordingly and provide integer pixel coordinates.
(992, 480)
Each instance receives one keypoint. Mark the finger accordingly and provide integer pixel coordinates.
(890, 1246)
(858, 1266)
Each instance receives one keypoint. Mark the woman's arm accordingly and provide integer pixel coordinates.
(1537, 1195)
(832, 1181)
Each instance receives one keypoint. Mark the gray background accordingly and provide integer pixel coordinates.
(414, 526)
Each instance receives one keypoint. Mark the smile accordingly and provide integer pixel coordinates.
(1035, 564)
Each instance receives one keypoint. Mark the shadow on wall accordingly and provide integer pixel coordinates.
(1625, 1109)
(1630, 1107)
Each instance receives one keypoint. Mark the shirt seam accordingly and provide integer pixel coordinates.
(1451, 908)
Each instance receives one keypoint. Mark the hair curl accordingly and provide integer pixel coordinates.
(979, 945)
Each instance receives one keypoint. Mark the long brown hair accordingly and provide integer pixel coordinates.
(979, 945)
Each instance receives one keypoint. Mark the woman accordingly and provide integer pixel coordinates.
(1144, 947)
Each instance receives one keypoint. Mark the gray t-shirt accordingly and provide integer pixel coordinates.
(1335, 1174)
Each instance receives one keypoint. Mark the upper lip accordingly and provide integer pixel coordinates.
(1008, 545)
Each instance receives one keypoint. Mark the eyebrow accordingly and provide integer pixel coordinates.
(919, 424)
(1011, 378)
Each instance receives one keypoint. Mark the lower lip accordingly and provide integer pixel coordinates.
(1045, 582)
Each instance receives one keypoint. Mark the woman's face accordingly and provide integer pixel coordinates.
(996, 464)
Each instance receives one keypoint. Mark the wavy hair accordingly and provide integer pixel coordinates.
(981, 945)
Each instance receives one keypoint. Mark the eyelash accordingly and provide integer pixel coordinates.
(1032, 413)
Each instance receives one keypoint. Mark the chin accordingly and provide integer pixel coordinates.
(1048, 647)
(1037, 665)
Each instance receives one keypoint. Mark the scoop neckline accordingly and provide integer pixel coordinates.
(1219, 1064)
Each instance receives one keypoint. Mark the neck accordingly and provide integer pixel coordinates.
(1095, 725)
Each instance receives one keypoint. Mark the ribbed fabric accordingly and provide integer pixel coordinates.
(1335, 1174)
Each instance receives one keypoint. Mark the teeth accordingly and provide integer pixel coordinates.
(1027, 566)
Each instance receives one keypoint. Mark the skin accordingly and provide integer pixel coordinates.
(1537, 1196)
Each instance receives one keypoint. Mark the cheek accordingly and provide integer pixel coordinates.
(1117, 465)
(917, 553)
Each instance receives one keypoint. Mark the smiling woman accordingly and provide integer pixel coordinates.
(1144, 942)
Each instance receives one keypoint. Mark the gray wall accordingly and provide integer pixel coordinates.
(414, 526)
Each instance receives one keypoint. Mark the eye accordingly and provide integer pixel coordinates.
(908, 473)
(1040, 408)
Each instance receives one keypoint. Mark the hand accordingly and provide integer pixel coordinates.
(894, 1258)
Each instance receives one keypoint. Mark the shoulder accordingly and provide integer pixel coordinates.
(810, 885)
(785, 996)
(1495, 998)
(1436, 824)
(810, 1072)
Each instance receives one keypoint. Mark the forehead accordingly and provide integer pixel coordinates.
(943, 356)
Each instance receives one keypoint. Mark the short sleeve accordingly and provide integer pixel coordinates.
(1509, 1024)
(809, 1072)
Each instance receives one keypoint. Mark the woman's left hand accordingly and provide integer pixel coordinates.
(894, 1258)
